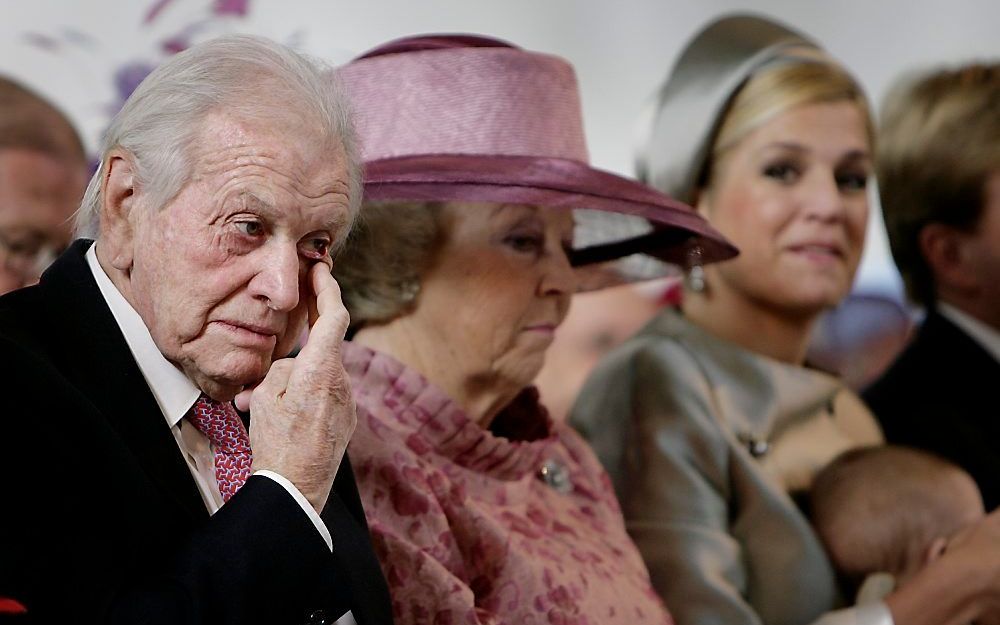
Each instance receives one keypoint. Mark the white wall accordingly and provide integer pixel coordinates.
(621, 49)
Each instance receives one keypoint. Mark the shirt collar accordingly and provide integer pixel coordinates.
(987, 336)
(174, 392)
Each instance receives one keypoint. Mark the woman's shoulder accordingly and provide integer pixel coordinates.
(662, 362)
(655, 387)
(665, 349)
(578, 450)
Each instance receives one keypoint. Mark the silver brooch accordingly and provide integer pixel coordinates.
(556, 476)
(758, 447)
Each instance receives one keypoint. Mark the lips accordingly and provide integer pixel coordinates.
(251, 335)
(252, 327)
(820, 248)
(548, 328)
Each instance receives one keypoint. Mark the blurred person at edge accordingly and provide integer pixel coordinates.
(939, 181)
(483, 509)
(707, 421)
(135, 492)
(43, 173)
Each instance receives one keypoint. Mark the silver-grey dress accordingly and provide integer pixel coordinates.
(704, 442)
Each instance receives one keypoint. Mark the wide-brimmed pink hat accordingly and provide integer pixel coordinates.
(475, 119)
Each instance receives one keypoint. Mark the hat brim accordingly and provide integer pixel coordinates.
(552, 182)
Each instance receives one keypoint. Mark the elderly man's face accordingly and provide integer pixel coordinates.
(218, 275)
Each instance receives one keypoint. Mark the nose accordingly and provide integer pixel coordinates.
(277, 279)
(823, 199)
(558, 277)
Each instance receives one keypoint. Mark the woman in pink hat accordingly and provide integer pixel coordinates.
(482, 218)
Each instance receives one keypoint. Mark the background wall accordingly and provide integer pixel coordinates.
(71, 51)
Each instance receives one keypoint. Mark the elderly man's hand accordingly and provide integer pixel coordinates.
(302, 414)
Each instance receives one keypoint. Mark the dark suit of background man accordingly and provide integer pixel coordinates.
(939, 178)
(225, 183)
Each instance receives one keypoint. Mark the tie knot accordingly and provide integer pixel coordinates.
(219, 422)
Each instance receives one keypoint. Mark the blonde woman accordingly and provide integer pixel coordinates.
(708, 421)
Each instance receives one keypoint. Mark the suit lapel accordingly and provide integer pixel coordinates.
(95, 357)
(955, 360)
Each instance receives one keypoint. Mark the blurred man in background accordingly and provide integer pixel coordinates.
(43, 173)
(939, 178)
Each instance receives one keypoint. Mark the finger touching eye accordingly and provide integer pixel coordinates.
(316, 247)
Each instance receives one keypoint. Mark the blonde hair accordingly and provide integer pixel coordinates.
(940, 143)
(784, 85)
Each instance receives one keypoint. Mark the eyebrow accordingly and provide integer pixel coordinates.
(852, 155)
(857, 155)
(533, 217)
(523, 219)
(530, 210)
(254, 202)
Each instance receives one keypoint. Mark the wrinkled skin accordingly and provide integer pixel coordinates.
(227, 274)
(489, 304)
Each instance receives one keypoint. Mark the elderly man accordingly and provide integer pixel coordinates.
(130, 493)
(939, 178)
(43, 171)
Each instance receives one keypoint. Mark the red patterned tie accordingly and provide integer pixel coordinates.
(221, 425)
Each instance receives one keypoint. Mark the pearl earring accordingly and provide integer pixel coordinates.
(694, 278)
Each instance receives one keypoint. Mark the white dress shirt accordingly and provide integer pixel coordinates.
(986, 336)
(175, 394)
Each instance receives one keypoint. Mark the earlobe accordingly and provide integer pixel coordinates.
(935, 550)
(117, 203)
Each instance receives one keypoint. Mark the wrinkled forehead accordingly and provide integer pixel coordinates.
(285, 150)
(296, 137)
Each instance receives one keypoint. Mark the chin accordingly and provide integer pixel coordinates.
(815, 292)
(240, 367)
(523, 374)
(812, 305)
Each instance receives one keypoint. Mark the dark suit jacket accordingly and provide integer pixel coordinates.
(938, 396)
(101, 520)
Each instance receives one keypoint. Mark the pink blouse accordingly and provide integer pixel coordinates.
(468, 526)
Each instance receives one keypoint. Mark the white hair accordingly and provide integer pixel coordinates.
(160, 121)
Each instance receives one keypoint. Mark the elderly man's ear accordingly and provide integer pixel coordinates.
(118, 195)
